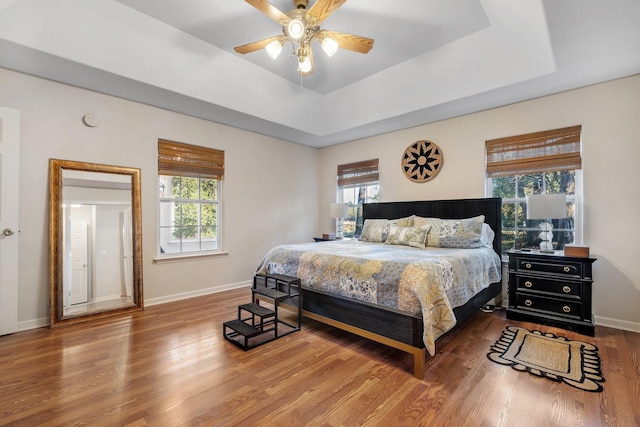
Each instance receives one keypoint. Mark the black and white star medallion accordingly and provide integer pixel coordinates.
(422, 161)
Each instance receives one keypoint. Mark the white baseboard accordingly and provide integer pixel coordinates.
(617, 324)
(44, 322)
(26, 325)
(197, 293)
(107, 298)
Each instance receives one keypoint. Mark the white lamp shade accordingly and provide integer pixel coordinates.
(547, 206)
(329, 46)
(339, 210)
(304, 66)
(273, 49)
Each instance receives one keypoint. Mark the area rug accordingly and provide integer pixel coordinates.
(546, 355)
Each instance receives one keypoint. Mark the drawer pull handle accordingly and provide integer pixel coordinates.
(528, 302)
(566, 289)
(566, 309)
(567, 269)
(527, 265)
(528, 284)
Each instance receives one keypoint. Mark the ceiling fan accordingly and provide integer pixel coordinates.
(300, 26)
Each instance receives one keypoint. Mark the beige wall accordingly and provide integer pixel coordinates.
(269, 191)
(276, 192)
(610, 117)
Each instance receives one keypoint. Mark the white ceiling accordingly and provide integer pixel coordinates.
(229, 23)
(432, 59)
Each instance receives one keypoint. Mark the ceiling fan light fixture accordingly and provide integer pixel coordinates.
(304, 65)
(329, 46)
(273, 49)
(301, 27)
(296, 28)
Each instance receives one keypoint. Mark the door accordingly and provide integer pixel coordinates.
(127, 253)
(9, 175)
(79, 285)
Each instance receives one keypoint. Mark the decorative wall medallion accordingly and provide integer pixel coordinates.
(422, 161)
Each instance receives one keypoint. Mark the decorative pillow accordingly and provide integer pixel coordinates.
(415, 237)
(453, 233)
(375, 230)
(404, 222)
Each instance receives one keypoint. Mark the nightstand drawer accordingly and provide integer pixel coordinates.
(556, 287)
(542, 266)
(558, 307)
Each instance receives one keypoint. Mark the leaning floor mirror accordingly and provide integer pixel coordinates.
(95, 241)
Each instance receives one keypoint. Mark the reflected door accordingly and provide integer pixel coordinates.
(127, 253)
(79, 255)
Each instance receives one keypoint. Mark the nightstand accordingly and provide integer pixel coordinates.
(551, 289)
(322, 239)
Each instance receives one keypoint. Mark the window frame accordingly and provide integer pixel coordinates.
(355, 208)
(575, 198)
(177, 159)
(199, 201)
(354, 176)
(550, 151)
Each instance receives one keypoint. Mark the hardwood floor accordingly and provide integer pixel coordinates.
(170, 366)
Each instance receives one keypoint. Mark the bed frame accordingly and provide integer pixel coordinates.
(389, 326)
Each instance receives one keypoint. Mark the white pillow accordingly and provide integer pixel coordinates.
(487, 235)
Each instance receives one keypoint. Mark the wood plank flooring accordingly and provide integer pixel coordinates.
(170, 366)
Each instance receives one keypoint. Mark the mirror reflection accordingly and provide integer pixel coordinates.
(97, 262)
(95, 241)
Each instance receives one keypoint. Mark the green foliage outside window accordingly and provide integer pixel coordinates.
(356, 196)
(196, 219)
(517, 231)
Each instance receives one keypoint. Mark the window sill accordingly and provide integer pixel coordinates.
(188, 257)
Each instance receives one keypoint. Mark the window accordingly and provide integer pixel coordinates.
(357, 184)
(189, 186)
(539, 163)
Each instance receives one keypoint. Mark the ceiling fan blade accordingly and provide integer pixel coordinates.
(322, 9)
(348, 41)
(260, 44)
(270, 10)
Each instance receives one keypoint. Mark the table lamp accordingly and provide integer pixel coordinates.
(339, 211)
(546, 207)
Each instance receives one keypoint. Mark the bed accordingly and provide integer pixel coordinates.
(382, 292)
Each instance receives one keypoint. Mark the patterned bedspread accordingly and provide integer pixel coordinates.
(430, 281)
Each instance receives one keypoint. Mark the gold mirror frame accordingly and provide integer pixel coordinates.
(56, 268)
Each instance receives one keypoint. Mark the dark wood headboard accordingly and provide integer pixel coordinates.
(491, 208)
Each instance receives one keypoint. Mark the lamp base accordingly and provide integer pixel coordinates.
(546, 237)
(339, 228)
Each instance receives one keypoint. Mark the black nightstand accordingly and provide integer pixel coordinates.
(552, 289)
